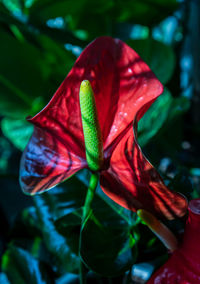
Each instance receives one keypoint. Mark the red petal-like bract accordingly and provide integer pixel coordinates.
(47, 161)
(183, 267)
(133, 182)
(122, 84)
(124, 89)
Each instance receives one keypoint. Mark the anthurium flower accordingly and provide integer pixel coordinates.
(124, 88)
(183, 267)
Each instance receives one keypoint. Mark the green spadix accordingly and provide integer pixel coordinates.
(91, 127)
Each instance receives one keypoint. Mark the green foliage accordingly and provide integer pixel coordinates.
(162, 112)
(21, 267)
(87, 15)
(155, 53)
(17, 131)
(114, 250)
(36, 68)
(145, 12)
(21, 59)
(66, 198)
(5, 153)
(57, 245)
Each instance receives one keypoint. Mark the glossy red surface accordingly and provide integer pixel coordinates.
(183, 267)
(124, 89)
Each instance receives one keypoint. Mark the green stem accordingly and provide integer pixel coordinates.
(89, 196)
(82, 273)
(86, 211)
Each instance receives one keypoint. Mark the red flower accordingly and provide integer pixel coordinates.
(183, 267)
(124, 89)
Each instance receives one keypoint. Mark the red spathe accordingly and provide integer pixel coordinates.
(124, 89)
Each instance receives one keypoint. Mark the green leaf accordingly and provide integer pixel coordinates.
(5, 14)
(65, 198)
(107, 246)
(75, 17)
(13, 5)
(22, 268)
(48, 208)
(112, 220)
(69, 227)
(162, 113)
(159, 57)
(17, 131)
(28, 223)
(47, 9)
(154, 118)
(178, 107)
(5, 154)
(28, 235)
(27, 69)
(59, 60)
(87, 16)
(148, 12)
(38, 67)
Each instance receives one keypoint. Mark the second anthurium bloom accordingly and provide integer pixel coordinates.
(124, 88)
(183, 266)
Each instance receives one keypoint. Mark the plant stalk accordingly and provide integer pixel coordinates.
(86, 212)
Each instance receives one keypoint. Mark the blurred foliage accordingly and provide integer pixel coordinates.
(40, 40)
(153, 53)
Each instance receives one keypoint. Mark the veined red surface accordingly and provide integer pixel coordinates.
(124, 88)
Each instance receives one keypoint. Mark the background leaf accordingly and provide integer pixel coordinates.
(21, 267)
(17, 131)
(155, 53)
(163, 111)
(107, 244)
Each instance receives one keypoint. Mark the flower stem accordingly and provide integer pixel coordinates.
(82, 273)
(86, 212)
(89, 196)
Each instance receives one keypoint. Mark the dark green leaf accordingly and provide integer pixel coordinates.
(22, 268)
(178, 107)
(65, 198)
(17, 131)
(21, 67)
(48, 208)
(69, 227)
(148, 12)
(154, 118)
(162, 112)
(59, 60)
(13, 5)
(107, 245)
(5, 154)
(37, 70)
(87, 15)
(157, 55)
